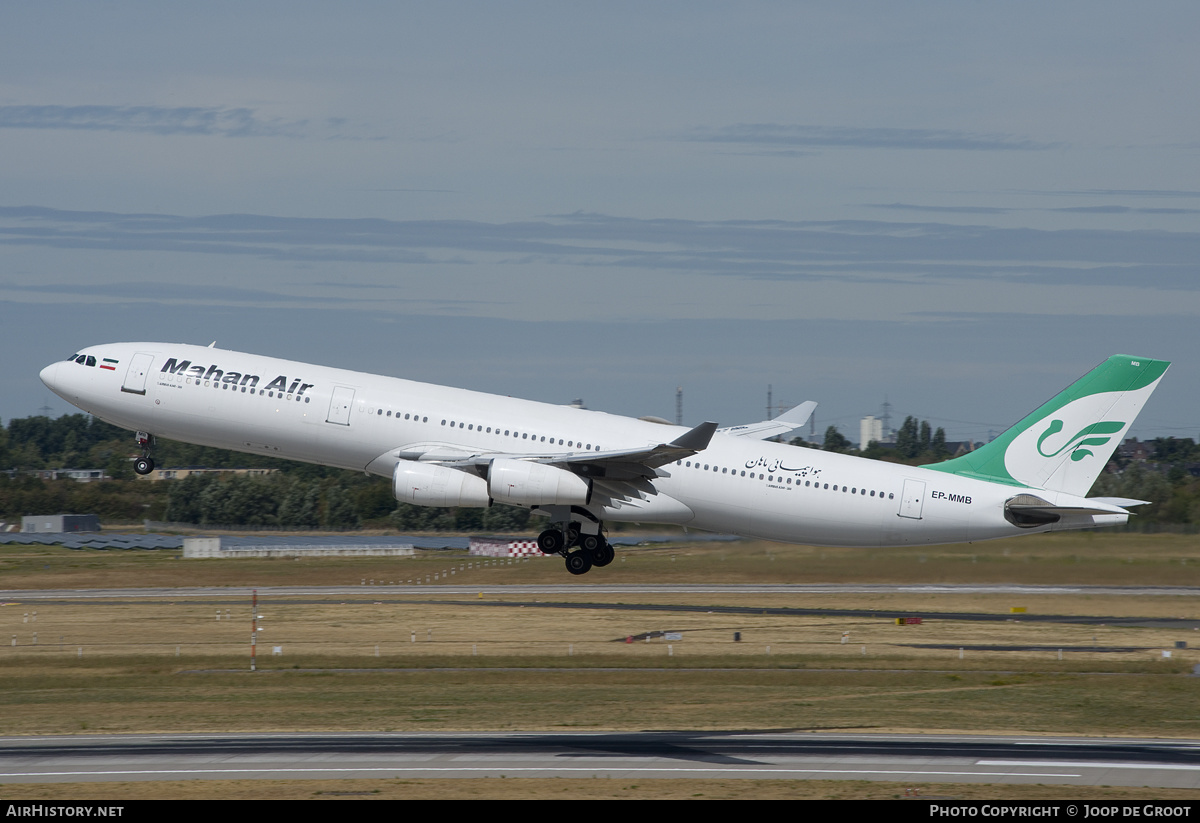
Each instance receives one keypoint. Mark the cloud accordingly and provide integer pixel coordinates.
(1112, 193)
(1112, 209)
(191, 120)
(944, 209)
(861, 251)
(777, 134)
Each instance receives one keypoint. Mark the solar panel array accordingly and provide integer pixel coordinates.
(96, 540)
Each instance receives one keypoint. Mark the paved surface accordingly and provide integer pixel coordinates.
(622, 755)
(507, 597)
(579, 587)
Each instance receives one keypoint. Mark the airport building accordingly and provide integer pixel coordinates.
(59, 523)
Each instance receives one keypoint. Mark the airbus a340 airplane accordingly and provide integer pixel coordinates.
(451, 447)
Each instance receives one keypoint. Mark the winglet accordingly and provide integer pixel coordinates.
(797, 416)
(696, 439)
(790, 420)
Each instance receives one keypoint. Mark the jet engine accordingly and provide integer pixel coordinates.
(523, 483)
(428, 485)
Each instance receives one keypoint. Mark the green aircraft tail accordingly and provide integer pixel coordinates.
(1065, 443)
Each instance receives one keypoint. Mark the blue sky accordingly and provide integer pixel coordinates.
(961, 207)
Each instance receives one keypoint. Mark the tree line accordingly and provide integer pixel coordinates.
(916, 443)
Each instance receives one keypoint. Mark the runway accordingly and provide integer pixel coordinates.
(506, 596)
(617, 755)
(579, 587)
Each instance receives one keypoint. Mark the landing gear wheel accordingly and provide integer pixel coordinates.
(603, 555)
(143, 465)
(550, 541)
(590, 543)
(579, 562)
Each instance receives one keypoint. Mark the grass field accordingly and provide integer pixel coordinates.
(439, 661)
(1074, 558)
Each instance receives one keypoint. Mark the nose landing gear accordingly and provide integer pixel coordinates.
(145, 463)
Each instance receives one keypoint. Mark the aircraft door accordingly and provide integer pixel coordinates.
(339, 406)
(135, 378)
(912, 499)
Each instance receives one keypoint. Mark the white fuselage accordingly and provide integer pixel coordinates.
(367, 422)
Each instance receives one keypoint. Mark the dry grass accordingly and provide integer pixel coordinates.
(438, 661)
(420, 663)
(1074, 558)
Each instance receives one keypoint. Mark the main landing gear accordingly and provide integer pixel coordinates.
(145, 463)
(581, 551)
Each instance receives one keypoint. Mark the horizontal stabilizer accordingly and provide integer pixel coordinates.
(1123, 502)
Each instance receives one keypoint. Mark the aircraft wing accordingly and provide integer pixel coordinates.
(790, 420)
(617, 476)
(640, 462)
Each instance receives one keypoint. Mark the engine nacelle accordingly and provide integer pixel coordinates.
(523, 483)
(427, 485)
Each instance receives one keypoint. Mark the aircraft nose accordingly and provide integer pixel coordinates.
(49, 376)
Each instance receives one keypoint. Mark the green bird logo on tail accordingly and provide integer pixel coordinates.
(1083, 438)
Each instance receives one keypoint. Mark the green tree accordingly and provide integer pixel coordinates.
(938, 445)
(908, 439)
(835, 441)
(339, 510)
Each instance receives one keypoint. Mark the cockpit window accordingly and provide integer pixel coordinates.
(72, 357)
(91, 361)
(81, 359)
